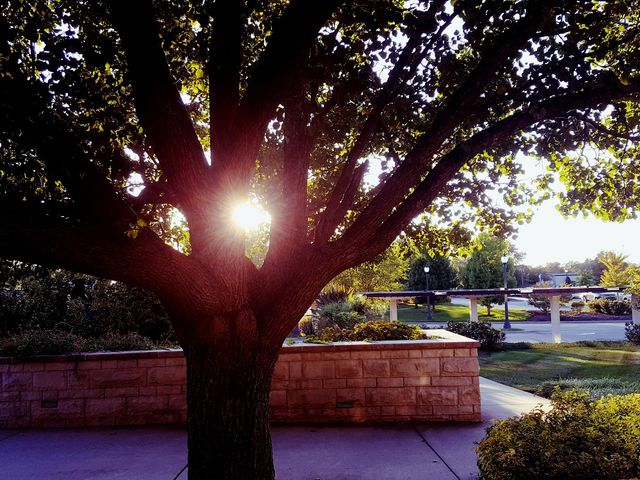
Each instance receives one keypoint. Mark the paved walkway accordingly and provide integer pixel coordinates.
(435, 452)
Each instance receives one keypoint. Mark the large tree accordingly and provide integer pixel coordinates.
(117, 115)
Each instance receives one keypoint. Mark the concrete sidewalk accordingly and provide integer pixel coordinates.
(434, 451)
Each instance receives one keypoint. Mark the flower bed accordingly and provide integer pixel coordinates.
(420, 380)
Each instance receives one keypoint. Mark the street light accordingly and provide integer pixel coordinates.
(506, 325)
(426, 288)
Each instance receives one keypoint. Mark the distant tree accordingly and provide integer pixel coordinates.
(441, 274)
(386, 272)
(484, 268)
(616, 272)
(585, 279)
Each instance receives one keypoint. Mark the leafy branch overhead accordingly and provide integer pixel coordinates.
(292, 102)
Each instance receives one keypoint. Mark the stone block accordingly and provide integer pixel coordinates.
(437, 352)
(281, 371)
(394, 354)
(102, 407)
(376, 368)
(12, 382)
(354, 395)
(389, 382)
(295, 370)
(132, 377)
(54, 380)
(334, 383)
(414, 367)
(451, 381)
(131, 363)
(361, 382)
(318, 369)
(390, 396)
(459, 366)
(469, 395)
(166, 376)
(365, 354)
(417, 381)
(177, 403)
(60, 366)
(278, 398)
(147, 405)
(152, 362)
(437, 395)
(348, 368)
(311, 398)
(336, 355)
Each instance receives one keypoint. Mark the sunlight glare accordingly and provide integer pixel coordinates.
(250, 216)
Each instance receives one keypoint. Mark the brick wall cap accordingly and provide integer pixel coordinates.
(447, 340)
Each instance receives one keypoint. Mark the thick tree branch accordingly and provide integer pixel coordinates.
(380, 236)
(273, 77)
(602, 129)
(159, 107)
(28, 234)
(458, 107)
(224, 71)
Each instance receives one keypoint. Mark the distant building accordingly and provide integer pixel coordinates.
(559, 279)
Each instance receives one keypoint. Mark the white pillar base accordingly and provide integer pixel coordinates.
(393, 310)
(635, 308)
(555, 319)
(473, 309)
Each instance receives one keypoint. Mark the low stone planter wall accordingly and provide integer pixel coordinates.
(426, 380)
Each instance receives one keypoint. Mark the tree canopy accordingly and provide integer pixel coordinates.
(130, 131)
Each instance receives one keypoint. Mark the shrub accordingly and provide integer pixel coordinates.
(305, 325)
(118, 342)
(489, 337)
(632, 332)
(608, 306)
(376, 330)
(386, 330)
(595, 387)
(577, 306)
(577, 439)
(57, 342)
(41, 342)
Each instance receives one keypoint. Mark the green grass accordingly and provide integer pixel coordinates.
(603, 367)
(458, 313)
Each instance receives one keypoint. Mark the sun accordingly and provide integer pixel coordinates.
(250, 216)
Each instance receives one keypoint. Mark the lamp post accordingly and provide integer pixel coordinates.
(426, 288)
(506, 325)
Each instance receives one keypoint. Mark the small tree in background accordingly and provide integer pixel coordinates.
(441, 275)
(585, 279)
(484, 268)
(617, 271)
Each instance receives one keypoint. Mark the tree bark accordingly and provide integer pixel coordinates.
(228, 389)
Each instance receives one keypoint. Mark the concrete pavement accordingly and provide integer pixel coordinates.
(435, 451)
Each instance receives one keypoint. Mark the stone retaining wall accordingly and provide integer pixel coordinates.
(431, 380)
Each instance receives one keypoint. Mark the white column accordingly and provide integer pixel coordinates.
(555, 318)
(393, 309)
(473, 309)
(635, 308)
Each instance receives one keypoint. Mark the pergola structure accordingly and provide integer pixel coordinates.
(472, 294)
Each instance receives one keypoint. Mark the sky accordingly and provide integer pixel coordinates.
(551, 238)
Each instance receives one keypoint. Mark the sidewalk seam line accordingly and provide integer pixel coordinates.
(180, 472)
(415, 429)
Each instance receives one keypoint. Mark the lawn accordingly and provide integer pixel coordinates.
(600, 367)
(457, 313)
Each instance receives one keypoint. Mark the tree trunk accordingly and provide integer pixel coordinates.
(228, 412)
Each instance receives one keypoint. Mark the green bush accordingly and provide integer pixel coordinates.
(578, 439)
(375, 330)
(632, 332)
(608, 306)
(57, 342)
(489, 337)
(595, 387)
(305, 325)
(41, 342)
(577, 305)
